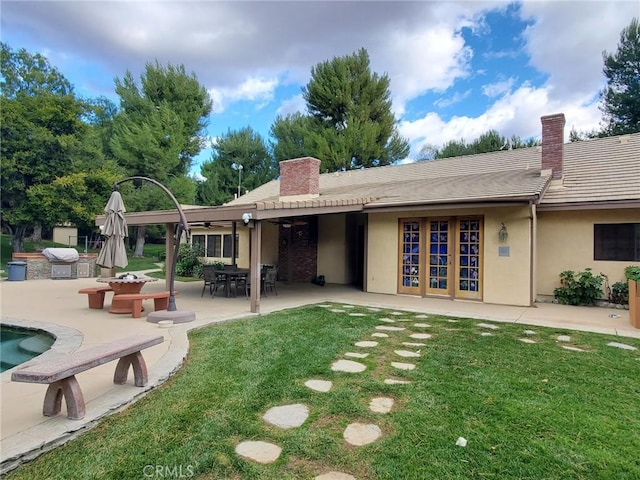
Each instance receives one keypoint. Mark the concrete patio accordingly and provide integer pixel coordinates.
(56, 306)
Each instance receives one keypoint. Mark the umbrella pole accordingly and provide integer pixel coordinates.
(172, 275)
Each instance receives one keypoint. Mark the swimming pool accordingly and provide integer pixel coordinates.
(19, 345)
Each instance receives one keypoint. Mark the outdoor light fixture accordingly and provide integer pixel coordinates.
(503, 234)
(238, 167)
(171, 312)
(246, 217)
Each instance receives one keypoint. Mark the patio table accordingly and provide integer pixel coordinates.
(232, 274)
(122, 286)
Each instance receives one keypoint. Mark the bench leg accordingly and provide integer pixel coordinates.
(96, 300)
(136, 306)
(136, 361)
(160, 303)
(69, 388)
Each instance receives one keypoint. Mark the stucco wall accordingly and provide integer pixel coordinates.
(269, 252)
(506, 280)
(565, 242)
(332, 249)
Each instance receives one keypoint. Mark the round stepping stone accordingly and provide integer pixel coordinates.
(623, 346)
(348, 306)
(387, 320)
(573, 349)
(396, 313)
(389, 328)
(348, 366)
(452, 321)
(421, 325)
(422, 315)
(486, 334)
(287, 416)
(407, 353)
(325, 306)
(529, 332)
(526, 340)
(356, 314)
(422, 336)
(261, 452)
(337, 310)
(356, 355)
(488, 325)
(381, 404)
(361, 434)
(335, 476)
(393, 381)
(366, 344)
(563, 338)
(403, 366)
(380, 335)
(414, 344)
(319, 385)
(373, 309)
(404, 320)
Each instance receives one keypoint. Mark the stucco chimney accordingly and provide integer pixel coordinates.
(552, 143)
(299, 178)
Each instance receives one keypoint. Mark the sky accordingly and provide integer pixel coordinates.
(457, 69)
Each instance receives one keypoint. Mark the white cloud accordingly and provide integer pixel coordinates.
(258, 90)
(452, 100)
(498, 88)
(292, 105)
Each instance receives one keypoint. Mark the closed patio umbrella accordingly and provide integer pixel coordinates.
(113, 252)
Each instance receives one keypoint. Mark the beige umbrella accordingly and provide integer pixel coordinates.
(113, 252)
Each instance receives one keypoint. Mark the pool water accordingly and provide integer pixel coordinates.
(19, 345)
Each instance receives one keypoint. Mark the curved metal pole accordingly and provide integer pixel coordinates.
(183, 226)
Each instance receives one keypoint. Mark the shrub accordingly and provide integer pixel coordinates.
(583, 288)
(188, 264)
(632, 273)
(620, 293)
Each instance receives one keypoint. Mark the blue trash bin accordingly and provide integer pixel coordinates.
(17, 271)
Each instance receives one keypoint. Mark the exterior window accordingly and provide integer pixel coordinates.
(616, 242)
(218, 246)
(214, 246)
(198, 243)
(410, 273)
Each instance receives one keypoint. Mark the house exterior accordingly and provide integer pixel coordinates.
(496, 227)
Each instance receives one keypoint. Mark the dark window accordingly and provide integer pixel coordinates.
(226, 249)
(198, 243)
(214, 247)
(616, 241)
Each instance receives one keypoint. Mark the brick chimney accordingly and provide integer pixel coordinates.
(552, 143)
(299, 179)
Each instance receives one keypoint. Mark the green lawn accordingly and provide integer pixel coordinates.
(528, 411)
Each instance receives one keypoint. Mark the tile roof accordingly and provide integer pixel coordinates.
(598, 170)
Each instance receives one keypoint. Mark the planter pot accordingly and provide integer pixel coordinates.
(634, 303)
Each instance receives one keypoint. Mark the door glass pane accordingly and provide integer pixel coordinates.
(411, 255)
(469, 256)
(438, 249)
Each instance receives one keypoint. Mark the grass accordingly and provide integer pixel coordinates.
(528, 411)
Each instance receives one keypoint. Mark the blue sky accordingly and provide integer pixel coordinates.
(457, 69)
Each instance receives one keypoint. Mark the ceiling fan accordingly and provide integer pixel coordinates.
(289, 223)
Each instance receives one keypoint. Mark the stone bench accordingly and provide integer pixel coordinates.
(60, 373)
(160, 301)
(96, 295)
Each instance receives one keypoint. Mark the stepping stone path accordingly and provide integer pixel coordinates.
(389, 328)
(325, 306)
(361, 434)
(526, 340)
(403, 366)
(422, 325)
(366, 344)
(335, 476)
(319, 385)
(356, 355)
(261, 452)
(356, 314)
(563, 338)
(529, 332)
(387, 320)
(373, 309)
(573, 349)
(381, 404)
(452, 321)
(422, 336)
(488, 325)
(337, 310)
(396, 313)
(287, 416)
(348, 306)
(414, 344)
(407, 353)
(380, 335)
(486, 334)
(422, 315)
(624, 346)
(393, 381)
(348, 366)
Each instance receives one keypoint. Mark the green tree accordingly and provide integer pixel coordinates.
(240, 160)
(159, 129)
(621, 97)
(350, 123)
(490, 141)
(43, 137)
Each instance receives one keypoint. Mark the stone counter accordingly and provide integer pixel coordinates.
(39, 267)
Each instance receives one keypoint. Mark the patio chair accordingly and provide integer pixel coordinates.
(270, 278)
(212, 280)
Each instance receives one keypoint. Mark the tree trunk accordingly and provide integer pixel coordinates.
(139, 252)
(17, 240)
(36, 236)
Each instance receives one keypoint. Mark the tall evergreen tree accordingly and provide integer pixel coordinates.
(240, 161)
(621, 97)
